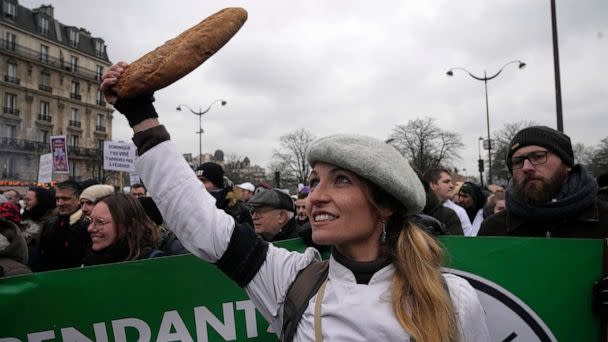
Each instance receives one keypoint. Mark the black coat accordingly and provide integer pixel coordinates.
(591, 223)
(63, 245)
(443, 214)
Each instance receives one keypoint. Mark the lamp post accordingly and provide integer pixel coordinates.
(200, 132)
(485, 80)
(480, 161)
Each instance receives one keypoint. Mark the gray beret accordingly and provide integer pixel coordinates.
(374, 160)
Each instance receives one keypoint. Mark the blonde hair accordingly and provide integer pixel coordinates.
(420, 298)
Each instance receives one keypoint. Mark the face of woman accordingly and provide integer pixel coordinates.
(102, 228)
(30, 199)
(340, 211)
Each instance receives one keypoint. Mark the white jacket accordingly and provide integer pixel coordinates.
(350, 311)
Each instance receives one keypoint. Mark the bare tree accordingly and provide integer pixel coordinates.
(290, 157)
(583, 154)
(425, 144)
(500, 147)
(599, 163)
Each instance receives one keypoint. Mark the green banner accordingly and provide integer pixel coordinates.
(531, 289)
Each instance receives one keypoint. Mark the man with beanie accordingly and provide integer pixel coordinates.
(212, 176)
(93, 194)
(549, 196)
(471, 198)
(273, 215)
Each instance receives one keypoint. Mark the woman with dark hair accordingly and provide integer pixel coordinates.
(39, 208)
(120, 231)
(384, 281)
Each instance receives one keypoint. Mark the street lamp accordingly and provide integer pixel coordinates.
(200, 126)
(485, 80)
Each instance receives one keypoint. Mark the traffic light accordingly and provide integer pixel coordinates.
(480, 163)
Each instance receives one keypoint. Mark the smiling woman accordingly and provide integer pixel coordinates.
(120, 231)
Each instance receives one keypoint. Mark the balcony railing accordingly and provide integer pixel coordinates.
(75, 96)
(11, 110)
(12, 79)
(45, 117)
(100, 128)
(43, 147)
(75, 123)
(45, 88)
(35, 55)
(101, 103)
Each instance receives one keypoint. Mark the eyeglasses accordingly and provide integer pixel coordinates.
(535, 158)
(97, 223)
(260, 211)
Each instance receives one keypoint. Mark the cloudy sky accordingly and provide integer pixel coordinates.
(364, 67)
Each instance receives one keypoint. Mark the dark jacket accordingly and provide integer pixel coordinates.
(225, 200)
(289, 231)
(591, 223)
(13, 250)
(444, 215)
(64, 242)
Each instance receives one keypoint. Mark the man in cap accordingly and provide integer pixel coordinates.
(247, 190)
(471, 198)
(91, 195)
(273, 215)
(548, 195)
(212, 176)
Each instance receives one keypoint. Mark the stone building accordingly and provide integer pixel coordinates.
(50, 87)
(243, 171)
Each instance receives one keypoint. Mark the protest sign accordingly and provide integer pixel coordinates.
(45, 168)
(59, 150)
(531, 289)
(118, 156)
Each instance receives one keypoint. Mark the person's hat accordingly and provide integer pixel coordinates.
(554, 141)
(247, 186)
(474, 192)
(374, 160)
(273, 198)
(213, 172)
(95, 192)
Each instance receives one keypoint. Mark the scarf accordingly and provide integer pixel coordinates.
(578, 193)
(363, 271)
(115, 253)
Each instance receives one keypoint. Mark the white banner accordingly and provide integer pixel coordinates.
(134, 178)
(118, 156)
(45, 168)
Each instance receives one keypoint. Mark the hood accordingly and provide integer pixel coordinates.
(12, 242)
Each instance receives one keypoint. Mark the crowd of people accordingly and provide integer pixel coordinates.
(364, 204)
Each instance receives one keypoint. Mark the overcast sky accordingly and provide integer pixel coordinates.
(364, 67)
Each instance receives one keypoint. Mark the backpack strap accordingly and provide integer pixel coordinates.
(303, 288)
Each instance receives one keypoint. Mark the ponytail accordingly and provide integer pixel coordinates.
(420, 298)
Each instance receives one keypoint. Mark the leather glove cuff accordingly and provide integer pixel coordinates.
(136, 109)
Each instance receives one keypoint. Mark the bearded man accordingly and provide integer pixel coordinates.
(548, 195)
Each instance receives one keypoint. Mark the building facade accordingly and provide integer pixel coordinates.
(50, 86)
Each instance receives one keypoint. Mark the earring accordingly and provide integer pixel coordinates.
(383, 235)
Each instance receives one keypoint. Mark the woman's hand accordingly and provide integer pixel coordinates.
(109, 79)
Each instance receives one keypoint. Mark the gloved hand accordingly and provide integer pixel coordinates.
(600, 298)
(136, 109)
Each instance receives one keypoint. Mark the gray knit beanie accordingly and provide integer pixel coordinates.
(554, 141)
(375, 161)
(95, 192)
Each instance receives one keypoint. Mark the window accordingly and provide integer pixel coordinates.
(11, 72)
(43, 25)
(10, 104)
(99, 47)
(74, 63)
(75, 115)
(45, 81)
(73, 36)
(10, 41)
(99, 122)
(98, 72)
(75, 90)
(44, 110)
(44, 53)
(10, 131)
(10, 9)
(100, 144)
(99, 98)
(44, 136)
(73, 140)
